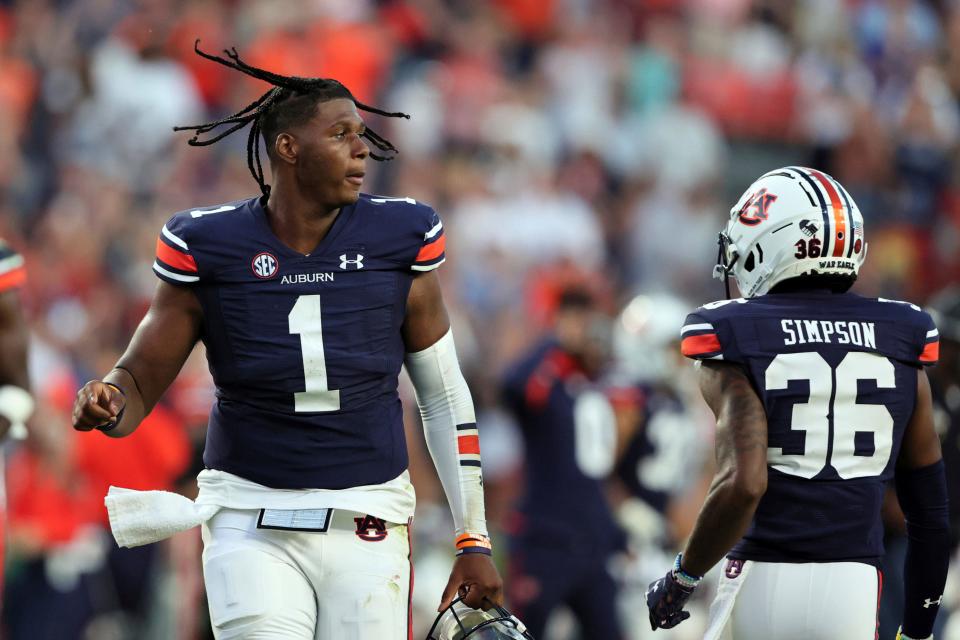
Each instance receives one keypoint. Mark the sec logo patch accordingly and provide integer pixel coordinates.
(264, 265)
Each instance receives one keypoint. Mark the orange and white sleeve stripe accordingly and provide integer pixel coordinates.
(174, 262)
(930, 353)
(13, 273)
(433, 251)
(700, 342)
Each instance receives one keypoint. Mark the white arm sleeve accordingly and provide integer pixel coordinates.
(450, 427)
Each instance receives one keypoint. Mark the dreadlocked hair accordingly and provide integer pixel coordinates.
(291, 101)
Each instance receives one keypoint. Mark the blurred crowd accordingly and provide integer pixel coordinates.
(589, 143)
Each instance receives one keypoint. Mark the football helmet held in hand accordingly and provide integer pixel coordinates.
(460, 622)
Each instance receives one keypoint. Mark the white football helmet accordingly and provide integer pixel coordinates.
(791, 222)
(645, 336)
(460, 622)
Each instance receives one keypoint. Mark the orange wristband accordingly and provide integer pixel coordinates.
(473, 543)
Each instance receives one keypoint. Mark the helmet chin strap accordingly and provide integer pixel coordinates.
(721, 270)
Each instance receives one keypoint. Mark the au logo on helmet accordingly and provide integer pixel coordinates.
(754, 210)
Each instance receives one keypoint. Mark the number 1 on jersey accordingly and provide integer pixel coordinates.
(304, 319)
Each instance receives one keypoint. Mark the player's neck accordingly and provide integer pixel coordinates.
(297, 221)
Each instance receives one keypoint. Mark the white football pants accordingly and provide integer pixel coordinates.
(803, 601)
(270, 584)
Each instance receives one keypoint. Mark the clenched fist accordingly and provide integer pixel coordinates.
(98, 406)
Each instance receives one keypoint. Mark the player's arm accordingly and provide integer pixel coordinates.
(741, 478)
(449, 424)
(738, 486)
(160, 346)
(922, 491)
(16, 403)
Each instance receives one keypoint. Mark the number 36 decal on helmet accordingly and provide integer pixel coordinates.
(460, 622)
(791, 222)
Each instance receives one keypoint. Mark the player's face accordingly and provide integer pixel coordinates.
(585, 333)
(333, 156)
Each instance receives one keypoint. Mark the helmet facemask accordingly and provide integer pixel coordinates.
(460, 622)
(727, 256)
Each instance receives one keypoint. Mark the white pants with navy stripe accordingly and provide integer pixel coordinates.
(348, 583)
(783, 601)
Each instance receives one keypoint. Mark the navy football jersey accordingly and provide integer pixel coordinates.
(569, 432)
(664, 454)
(837, 374)
(305, 350)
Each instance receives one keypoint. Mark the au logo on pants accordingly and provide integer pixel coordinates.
(734, 568)
(371, 529)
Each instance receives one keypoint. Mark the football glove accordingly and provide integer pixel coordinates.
(665, 599)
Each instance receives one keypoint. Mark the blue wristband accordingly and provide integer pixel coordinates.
(682, 576)
(485, 551)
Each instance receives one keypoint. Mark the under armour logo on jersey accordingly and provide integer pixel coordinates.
(264, 265)
(371, 529)
(358, 261)
(927, 602)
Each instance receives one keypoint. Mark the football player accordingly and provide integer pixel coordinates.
(820, 397)
(663, 451)
(309, 298)
(945, 388)
(564, 532)
(660, 476)
(16, 403)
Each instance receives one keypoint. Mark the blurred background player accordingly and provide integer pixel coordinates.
(309, 298)
(662, 468)
(944, 308)
(945, 388)
(821, 397)
(564, 533)
(16, 403)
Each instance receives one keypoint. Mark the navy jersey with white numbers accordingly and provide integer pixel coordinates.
(663, 456)
(305, 350)
(569, 432)
(837, 374)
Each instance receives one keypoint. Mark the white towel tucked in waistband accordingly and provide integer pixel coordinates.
(141, 517)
